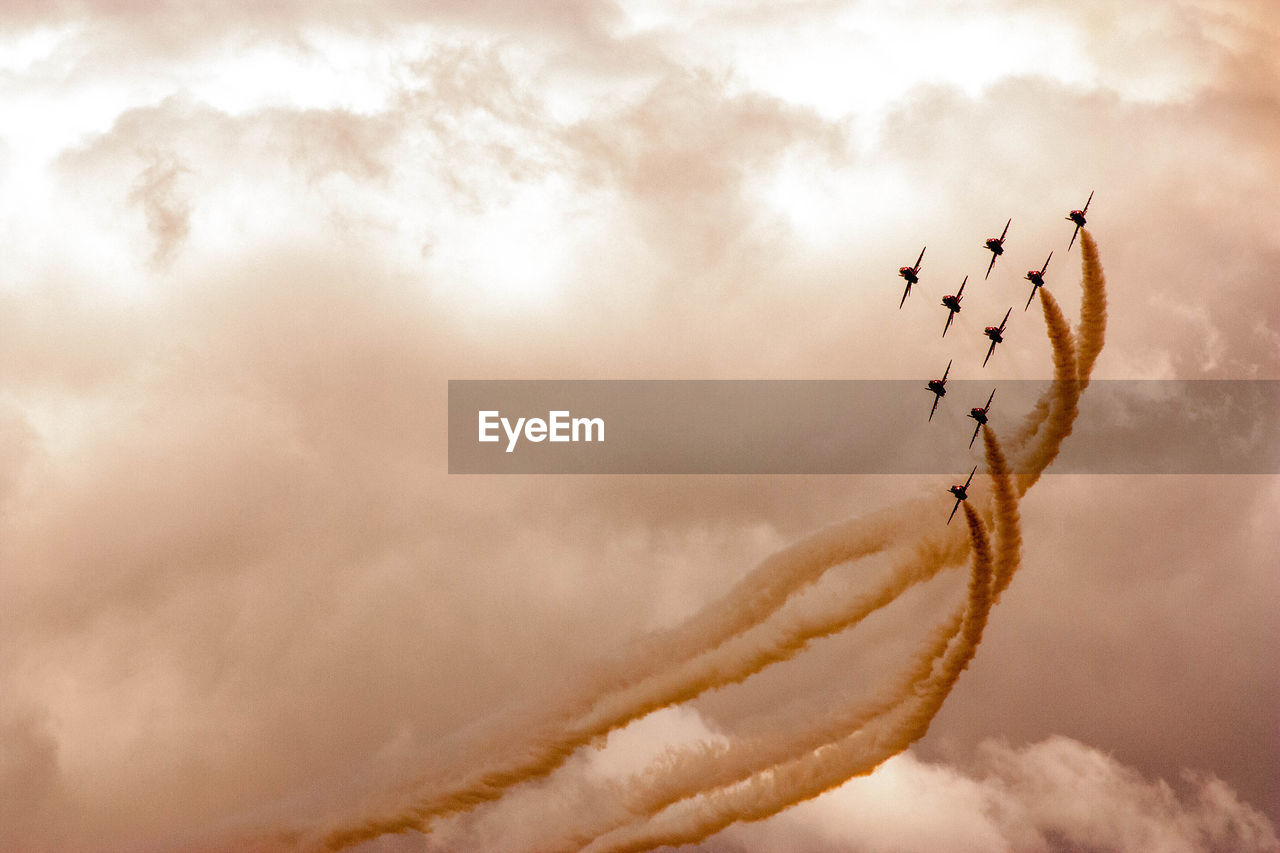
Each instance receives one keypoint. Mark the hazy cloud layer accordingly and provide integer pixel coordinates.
(233, 571)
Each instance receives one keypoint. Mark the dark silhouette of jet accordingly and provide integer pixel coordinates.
(952, 303)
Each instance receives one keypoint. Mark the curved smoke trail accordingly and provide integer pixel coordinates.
(646, 679)
(818, 771)
(578, 722)
(1091, 334)
(1064, 396)
(1093, 308)
(701, 768)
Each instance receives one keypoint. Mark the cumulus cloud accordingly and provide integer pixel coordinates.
(234, 571)
(1056, 794)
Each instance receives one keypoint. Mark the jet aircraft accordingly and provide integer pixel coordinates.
(996, 333)
(1036, 277)
(996, 245)
(980, 415)
(961, 493)
(938, 387)
(1077, 216)
(952, 303)
(912, 275)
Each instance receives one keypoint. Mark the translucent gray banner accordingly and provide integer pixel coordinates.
(849, 426)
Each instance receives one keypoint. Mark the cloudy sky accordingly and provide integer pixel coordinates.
(247, 245)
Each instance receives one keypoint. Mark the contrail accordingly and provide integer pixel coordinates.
(1008, 518)
(683, 774)
(742, 657)
(1091, 334)
(576, 724)
(1093, 308)
(710, 650)
(817, 771)
(1064, 396)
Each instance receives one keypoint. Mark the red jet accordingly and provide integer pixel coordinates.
(939, 389)
(996, 245)
(961, 493)
(912, 275)
(980, 415)
(996, 333)
(1077, 216)
(1036, 277)
(952, 303)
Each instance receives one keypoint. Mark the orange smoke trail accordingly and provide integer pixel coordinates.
(1093, 308)
(832, 765)
(625, 690)
(751, 601)
(737, 661)
(1064, 400)
(681, 775)
(1091, 335)
(685, 773)
(1008, 518)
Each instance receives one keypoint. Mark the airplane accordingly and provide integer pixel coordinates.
(980, 415)
(912, 275)
(1036, 277)
(952, 303)
(1077, 216)
(939, 389)
(961, 493)
(996, 334)
(996, 245)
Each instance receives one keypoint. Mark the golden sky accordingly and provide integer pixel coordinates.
(248, 244)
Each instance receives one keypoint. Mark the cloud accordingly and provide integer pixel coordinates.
(1056, 794)
(233, 569)
(168, 213)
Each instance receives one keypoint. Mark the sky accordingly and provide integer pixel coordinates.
(248, 245)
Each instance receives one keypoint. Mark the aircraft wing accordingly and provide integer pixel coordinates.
(975, 434)
(935, 406)
(953, 511)
(1029, 298)
(904, 296)
(1073, 238)
(950, 315)
(993, 263)
(990, 350)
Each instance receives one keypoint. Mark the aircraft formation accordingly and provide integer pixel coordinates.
(938, 387)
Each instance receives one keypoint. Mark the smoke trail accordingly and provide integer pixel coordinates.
(752, 600)
(683, 774)
(832, 765)
(737, 660)
(1093, 308)
(1008, 519)
(1091, 334)
(1064, 399)
(598, 707)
